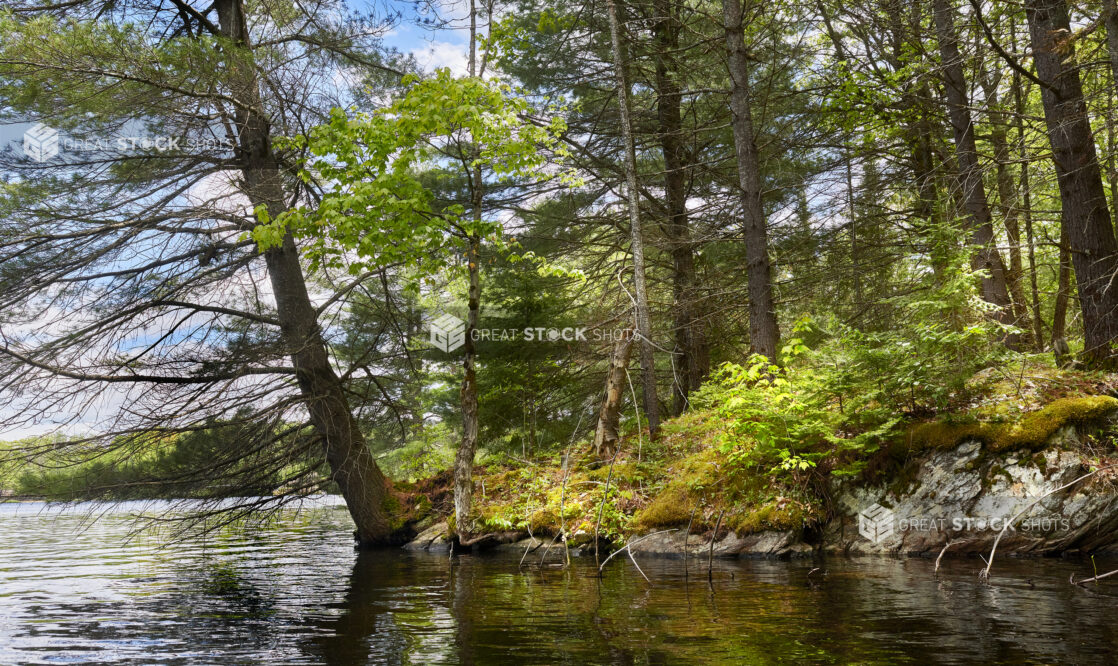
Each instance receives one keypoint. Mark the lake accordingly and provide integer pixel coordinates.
(75, 590)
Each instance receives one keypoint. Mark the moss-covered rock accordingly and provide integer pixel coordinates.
(1031, 431)
(670, 508)
(696, 474)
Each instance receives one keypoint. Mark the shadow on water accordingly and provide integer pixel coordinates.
(296, 593)
(403, 608)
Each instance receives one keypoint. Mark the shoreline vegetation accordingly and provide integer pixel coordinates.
(698, 480)
(721, 468)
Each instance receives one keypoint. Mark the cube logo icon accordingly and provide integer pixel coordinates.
(876, 523)
(40, 143)
(448, 332)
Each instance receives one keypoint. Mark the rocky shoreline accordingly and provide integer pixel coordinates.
(1053, 502)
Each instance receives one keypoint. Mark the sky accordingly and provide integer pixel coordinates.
(446, 46)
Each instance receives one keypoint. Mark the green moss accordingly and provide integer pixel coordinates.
(397, 517)
(773, 515)
(1030, 431)
(992, 476)
(544, 521)
(621, 471)
(1035, 428)
(671, 507)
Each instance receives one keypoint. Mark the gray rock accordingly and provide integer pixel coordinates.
(433, 539)
(969, 498)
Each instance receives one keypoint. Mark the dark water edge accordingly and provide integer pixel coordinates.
(295, 592)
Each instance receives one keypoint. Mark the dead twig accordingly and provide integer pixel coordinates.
(1095, 579)
(686, 536)
(639, 570)
(528, 548)
(630, 545)
(939, 557)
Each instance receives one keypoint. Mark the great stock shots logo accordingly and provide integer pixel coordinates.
(40, 143)
(448, 332)
(43, 143)
(876, 523)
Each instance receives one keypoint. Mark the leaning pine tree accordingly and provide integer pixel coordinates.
(132, 296)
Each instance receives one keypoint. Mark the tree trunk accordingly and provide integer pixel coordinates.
(352, 465)
(1008, 205)
(644, 319)
(606, 435)
(1063, 291)
(1094, 252)
(467, 448)
(1027, 208)
(692, 362)
(920, 132)
(763, 332)
(985, 255)
(1110, 20)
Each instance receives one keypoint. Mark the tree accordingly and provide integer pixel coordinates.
(972, 191)
(163, 301)
(690, 331)
(382, 210)
(764, 334)
(632, 192)
(1086, 215)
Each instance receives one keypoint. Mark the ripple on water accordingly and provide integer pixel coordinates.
(79, 591)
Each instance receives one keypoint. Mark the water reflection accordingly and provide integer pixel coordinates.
(296, 593)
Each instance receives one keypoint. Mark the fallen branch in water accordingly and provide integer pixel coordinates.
(528, 548)
(985, 573)
(940, 556)
(630, 545)
(639, 570)
(710, 557)
(548, 549)
(1092, 580)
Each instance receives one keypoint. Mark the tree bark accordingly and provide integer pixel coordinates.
(690, 337)
(920, 132)
(644, 319)
(985, 255)
(1085, 214)
(467, 448)
(352, 465)
(606, 434)
(1110, 20)
(1063, 291)
(763, 331)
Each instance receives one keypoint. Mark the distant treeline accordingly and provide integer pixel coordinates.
(205, 463)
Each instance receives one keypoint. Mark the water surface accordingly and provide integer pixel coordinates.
(75, 591)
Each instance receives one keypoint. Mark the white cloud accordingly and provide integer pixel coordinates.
(438, 54)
